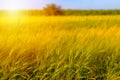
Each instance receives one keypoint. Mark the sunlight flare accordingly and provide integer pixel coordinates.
(14, 5)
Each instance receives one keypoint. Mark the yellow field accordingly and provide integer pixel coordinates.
(60, 48)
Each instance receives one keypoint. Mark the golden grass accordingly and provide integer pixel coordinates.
(64, 48)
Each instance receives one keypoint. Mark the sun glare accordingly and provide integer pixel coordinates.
(12, 11)
(13, 5)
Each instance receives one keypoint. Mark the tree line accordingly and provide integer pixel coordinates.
(72, 12)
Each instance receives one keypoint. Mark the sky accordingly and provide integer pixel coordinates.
(66, 4)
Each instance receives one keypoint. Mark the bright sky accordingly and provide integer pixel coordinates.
(69, 4)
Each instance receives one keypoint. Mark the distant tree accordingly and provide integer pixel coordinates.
(52, 10)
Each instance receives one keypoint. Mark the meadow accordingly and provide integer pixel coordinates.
(60, 48)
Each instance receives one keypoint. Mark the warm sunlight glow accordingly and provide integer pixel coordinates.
(13, 5)
(12, 13)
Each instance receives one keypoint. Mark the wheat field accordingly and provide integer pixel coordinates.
(60, 48)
